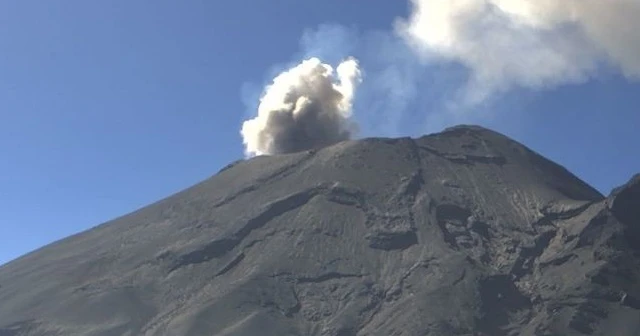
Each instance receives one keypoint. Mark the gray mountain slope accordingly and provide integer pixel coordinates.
(464, 232)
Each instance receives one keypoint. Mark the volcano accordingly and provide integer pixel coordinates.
(462, 232)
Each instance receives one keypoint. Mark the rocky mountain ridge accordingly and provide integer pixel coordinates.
(463, 232)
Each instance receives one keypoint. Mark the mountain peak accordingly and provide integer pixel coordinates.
(466, 127)
(461, 232)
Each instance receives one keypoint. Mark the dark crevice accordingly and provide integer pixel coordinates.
(593, 230)
(558, 261)
(460, 278)
(500, 298)
(481, 228)
(233, 263)
(218, 248)
(327, 277)
(289, 312)
(259, 240)
(416, 181)
(411, 186)
(525, 262)
(389, 241)
(214, 249)
(552, 215)
(467, 159)
(346, 196)
(471, 159)
(278, 174)
(392, 293)
(274, 210)
(446, 212)
(452, 221)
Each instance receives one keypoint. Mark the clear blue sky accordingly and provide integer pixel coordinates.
(106, 106)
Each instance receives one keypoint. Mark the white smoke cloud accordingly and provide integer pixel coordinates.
(306, 107)
(443, 64)
(527, 43)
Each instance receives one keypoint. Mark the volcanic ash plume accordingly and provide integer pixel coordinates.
(530, 43)
(306, 107)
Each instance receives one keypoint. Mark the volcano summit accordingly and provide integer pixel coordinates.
(463, 232)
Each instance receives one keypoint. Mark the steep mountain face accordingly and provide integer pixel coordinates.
(465, 232)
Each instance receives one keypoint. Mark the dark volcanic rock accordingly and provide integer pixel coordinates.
(465, 232)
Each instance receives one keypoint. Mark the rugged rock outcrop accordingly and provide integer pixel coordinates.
(464, 232)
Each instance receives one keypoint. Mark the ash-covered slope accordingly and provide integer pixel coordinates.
(465, 232)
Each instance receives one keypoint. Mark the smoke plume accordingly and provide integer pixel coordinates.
(446, 63)
(527, 43)
(306, 107)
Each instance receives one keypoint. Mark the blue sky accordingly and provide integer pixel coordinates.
(106, 106)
